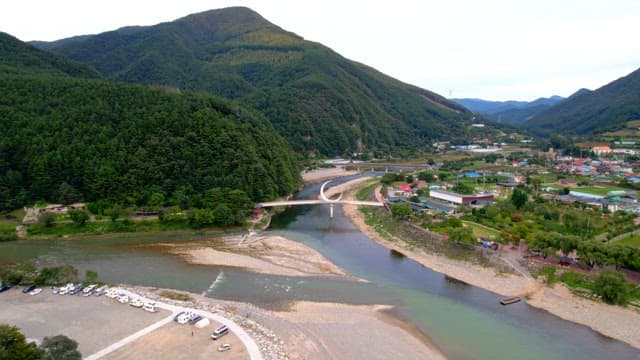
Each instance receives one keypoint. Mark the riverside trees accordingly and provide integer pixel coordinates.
(14, 346)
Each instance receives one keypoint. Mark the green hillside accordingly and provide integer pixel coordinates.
(318, 100)
(608, 108)
(17, 57)
(123, 143)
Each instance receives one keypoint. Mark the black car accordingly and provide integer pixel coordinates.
(4, 287)
(28, 288)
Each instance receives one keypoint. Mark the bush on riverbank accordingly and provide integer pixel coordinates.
(27, 273)
(176, 296)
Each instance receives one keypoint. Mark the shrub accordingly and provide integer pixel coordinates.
(613, 287)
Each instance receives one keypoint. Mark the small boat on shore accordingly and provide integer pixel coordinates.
(510, 300)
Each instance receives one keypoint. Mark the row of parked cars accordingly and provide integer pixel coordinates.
(115, 293)
(73, 289)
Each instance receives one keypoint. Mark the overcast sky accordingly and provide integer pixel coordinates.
(489, 49)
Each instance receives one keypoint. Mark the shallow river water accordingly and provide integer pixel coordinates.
(465, 322)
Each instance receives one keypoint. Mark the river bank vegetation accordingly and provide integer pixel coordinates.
(550, 230)
(27, 272)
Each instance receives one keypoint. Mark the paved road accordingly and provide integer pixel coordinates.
(252, 348)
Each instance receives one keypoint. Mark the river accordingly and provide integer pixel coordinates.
(465, 322)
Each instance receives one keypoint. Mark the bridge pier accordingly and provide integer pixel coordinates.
(331, 211)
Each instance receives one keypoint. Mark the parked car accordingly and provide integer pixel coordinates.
(220, 332)
(4, 287)
(55, 289)
(195, 319)
(187, 317)
(178, 315)
(35, 291)
(89, 289)
(150, 307)
(101, 290)
(112, 293)
(137, 303)
(75, 289)
(224, 347)
(28, 289)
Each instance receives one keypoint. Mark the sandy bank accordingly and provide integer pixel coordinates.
(318, 175)
(339, 331)
(613, 321)
(344, 188)
(262, 254)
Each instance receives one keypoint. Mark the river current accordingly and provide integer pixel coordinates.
(465, 322)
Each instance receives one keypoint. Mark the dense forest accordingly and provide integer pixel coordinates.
(77, 139)
(319, 101)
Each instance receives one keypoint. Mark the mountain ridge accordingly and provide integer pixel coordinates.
(17, 57)
(510, 112)
(586, 113)
(320, 101)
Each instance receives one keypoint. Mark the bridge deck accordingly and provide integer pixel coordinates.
(318, 202)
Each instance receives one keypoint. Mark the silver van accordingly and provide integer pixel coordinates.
(219, 332)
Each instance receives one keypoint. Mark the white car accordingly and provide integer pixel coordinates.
(150, 307)
(224, 347)
(35, 291)
(185, 318)
(89, 289)
(112, 293)
(123, 299)
(137, 303)
(101, 290)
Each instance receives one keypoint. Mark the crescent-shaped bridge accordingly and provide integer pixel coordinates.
(317, 202)
(322, 201)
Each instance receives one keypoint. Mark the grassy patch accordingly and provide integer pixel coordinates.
(480, 230)
(576, 280)
(548, 273)
(633, 240)
(104, 227)
(176, 296)
(366, 192)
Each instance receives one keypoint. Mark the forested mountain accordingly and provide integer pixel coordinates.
(510, 112)
(17, 57)
(121, 143)
(318, 100)
(584, 113)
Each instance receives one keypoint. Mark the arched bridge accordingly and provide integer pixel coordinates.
(322, 201)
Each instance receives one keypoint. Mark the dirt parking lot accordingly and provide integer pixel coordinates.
(174, 341)
(94, 322)
(97, 322)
